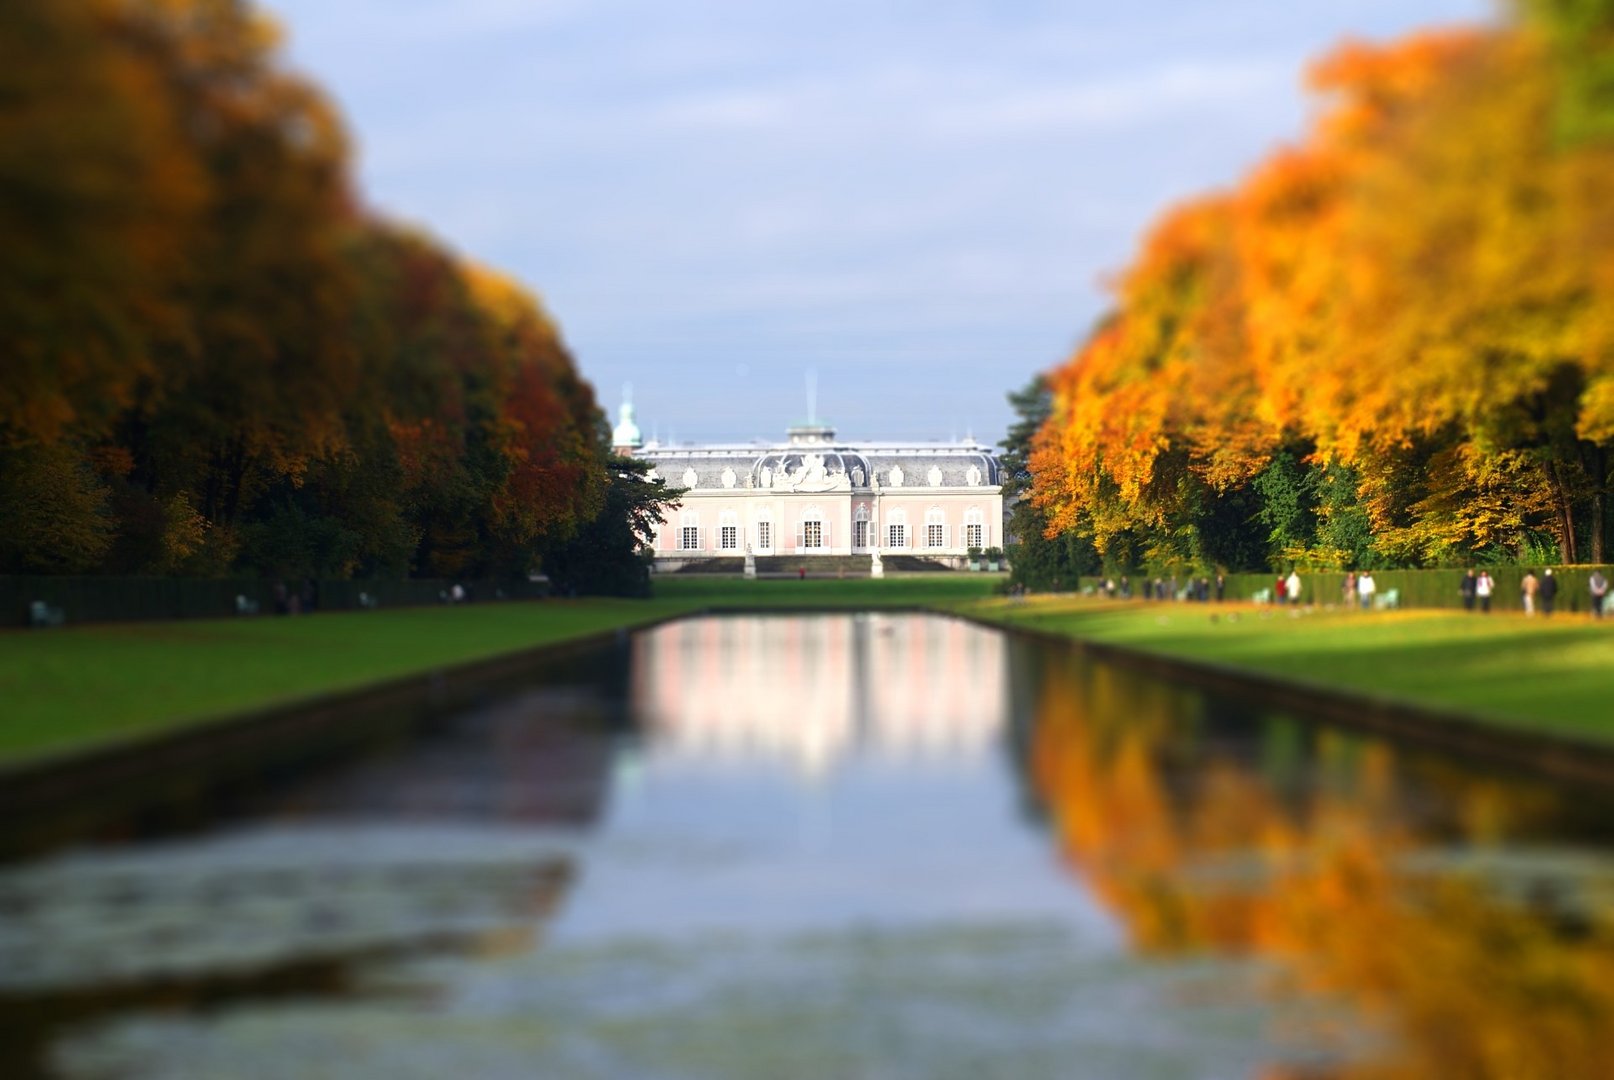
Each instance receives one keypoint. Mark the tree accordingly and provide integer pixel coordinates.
(1036, 561)
(609, 555)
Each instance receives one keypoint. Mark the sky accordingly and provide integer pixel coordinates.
(915, 203)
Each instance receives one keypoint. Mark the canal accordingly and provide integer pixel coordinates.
(880, 846)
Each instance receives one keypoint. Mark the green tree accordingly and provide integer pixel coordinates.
(1036, 560)
(610, 554)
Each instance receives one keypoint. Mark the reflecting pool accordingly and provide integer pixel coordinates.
(835, 846)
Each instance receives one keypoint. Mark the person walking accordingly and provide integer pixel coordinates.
(1366, 587)
(1484, 586)
(1598, 584)
(1221, 586)
(1349, 592)
(1468, 587)
(1549, 591)
(1527, 591)
(1291, 587)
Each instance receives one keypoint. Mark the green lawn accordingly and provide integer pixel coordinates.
(85, 685)
(899, 590)
(80, 686)
(1551, 675)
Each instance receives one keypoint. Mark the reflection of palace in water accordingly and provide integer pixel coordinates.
(810, 690)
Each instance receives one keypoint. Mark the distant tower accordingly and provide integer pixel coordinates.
(625, 437)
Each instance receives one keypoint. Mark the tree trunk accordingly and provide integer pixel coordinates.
(1598, 467)
(1566, 515)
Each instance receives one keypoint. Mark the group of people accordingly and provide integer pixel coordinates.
(1360, 589)
(1478, 587)
(1536, 594)
(1200, 590)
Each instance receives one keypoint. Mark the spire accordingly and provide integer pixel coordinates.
(625, 437)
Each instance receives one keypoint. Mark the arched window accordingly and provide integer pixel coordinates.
(896, 529)
(728, 531)
(935, 528)
(860, 526)
(974, 531)
(689, 531)
(814, 533)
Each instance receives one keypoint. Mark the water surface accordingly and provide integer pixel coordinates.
(850, 846)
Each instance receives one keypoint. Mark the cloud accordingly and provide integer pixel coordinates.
(917, 197)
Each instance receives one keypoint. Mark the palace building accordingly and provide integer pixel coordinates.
(816, 495)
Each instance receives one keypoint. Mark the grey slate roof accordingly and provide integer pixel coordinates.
(916, 460)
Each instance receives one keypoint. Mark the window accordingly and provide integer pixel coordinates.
(689, 538)
(974, 531)
(860, 534)
(764, 536)
(728, 538)
(897, 529)
(933, 536)
(935, 528)
(813, 533)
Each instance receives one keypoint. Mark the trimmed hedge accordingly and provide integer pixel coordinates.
(116, 599)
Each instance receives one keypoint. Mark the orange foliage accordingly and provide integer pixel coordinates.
(1325, 880)
(1417, 273)
(224, 362)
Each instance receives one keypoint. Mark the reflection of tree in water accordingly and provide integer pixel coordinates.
(1373, 875)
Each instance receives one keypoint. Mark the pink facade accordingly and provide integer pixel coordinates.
(909, 522)
(812, 495)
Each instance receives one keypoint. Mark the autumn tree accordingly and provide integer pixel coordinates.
(1403, 322)
(215, 360)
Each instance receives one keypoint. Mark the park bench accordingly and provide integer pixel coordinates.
(42, 615)
(245, 605)
(1262, 596)
(1388, 600)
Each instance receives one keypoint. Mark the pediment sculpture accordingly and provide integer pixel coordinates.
(813, 475)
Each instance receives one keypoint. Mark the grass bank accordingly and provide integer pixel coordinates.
(939, 590)
(84, 686)
(1550, 676)
(81, 686)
